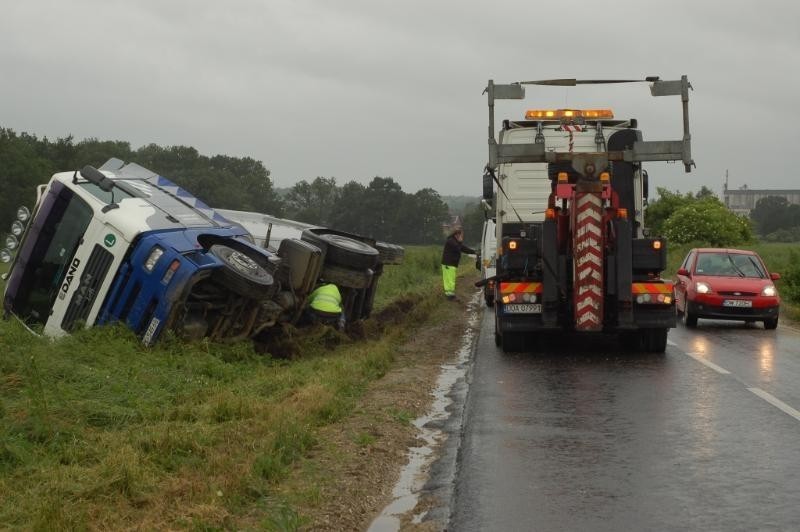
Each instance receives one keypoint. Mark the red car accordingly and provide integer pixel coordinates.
(726, 284)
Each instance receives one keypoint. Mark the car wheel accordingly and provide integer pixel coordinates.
(771, 324)
(689, 317)
(242, 274)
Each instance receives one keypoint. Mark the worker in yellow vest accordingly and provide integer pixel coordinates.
(325, 306)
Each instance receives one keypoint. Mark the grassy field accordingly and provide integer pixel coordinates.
(99, 432)
(777, 256)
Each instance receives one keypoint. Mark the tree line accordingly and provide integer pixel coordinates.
(776, 220)
(380, 209)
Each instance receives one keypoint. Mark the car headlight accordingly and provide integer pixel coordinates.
(152, 259)
(769, 291)
(702, 288)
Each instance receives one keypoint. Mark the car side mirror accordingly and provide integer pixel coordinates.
(684, 272)
(774, 276)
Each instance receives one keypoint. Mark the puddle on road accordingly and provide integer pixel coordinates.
(414, 475)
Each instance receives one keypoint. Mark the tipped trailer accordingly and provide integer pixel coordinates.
(569, 193)
(124, 244)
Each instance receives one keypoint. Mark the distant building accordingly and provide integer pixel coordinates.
(744, 199)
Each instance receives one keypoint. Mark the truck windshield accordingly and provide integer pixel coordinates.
(55, 234)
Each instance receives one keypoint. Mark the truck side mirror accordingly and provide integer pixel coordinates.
(774, 276)
(487, 186)
(645, 185)
(93, 175)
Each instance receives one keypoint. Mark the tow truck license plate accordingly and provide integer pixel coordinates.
(737, 303)
(523, 308)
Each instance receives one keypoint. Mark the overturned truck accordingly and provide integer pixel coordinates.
(124, 244)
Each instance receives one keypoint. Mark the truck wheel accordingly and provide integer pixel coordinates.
(655, 340)
(390, 253)
(342, 250)
(241, 274)
(488, 296)
(346, 277)
(512, 342)
(771, 324)
(630, 340)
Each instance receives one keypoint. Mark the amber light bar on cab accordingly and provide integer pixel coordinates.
(534, 114)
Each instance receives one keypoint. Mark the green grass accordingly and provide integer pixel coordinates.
(777, 256)
(97, 431)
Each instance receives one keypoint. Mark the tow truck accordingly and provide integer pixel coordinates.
(569, 189)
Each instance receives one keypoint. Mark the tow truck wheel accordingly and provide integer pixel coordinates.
(655, 340)
(241, 274)
(512, 342)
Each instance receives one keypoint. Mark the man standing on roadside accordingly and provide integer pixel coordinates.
(451, 256)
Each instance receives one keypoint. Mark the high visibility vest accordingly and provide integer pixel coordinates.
(326, 298)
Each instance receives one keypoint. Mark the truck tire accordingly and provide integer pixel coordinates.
(488, 297)
(512, 342)
(346, 277)
(342, 250)
(390, 253)
(241, 274)
(655, 340)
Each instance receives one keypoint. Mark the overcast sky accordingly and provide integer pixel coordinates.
(357, 88)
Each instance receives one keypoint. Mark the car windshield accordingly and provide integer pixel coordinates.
(57, 231)
(725, 264)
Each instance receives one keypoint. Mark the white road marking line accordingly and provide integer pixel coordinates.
(711, 365)
(777, 403)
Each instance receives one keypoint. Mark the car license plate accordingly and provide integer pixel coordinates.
(523, 308)
(737, 303)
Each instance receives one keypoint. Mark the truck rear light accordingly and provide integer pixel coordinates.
(622, 214)
(512, 245)
(605, 177)
(550, 214)
(656, 244)
(563, 177)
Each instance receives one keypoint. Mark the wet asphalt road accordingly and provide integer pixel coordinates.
(587, 437)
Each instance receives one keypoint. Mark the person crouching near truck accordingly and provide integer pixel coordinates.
(325, 306)
(451, 256)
